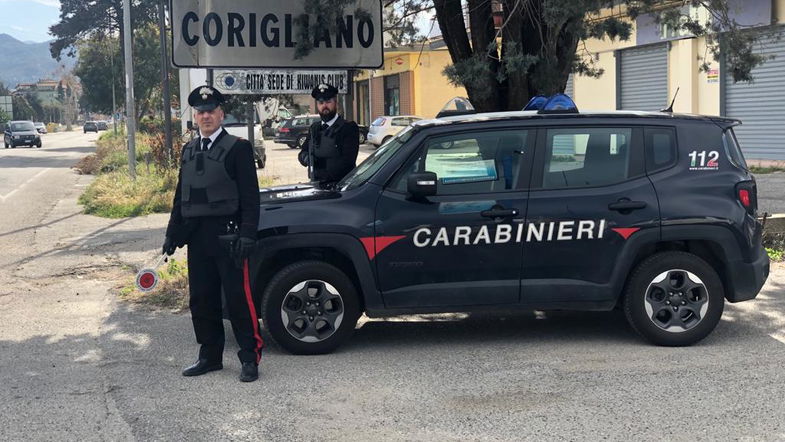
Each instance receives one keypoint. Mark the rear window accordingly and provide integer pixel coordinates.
(660, 148)
(378, 122)
(733, 150)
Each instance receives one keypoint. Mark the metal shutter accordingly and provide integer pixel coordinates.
(760, 105)
(644, 78)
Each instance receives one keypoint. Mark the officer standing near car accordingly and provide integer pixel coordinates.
(217, 194)
(330, 150)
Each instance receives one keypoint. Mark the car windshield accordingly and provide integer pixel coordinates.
(25, 125)
(367, 168)
(39, 124)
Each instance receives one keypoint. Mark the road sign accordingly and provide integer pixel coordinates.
(265, 33)
(272, 82)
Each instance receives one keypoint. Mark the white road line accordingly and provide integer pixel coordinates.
(7, 195)
(779, 335)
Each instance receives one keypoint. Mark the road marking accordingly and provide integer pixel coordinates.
(779, 335)
(8, 195)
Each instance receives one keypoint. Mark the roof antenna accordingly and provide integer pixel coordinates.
(670, 108)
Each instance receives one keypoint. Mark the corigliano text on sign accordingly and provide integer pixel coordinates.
(271, 30)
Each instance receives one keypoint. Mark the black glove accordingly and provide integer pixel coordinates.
(169, 246)
(244, 247)
(303, 157)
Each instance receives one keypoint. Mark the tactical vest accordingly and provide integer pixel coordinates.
(326, 147)
(207, 189)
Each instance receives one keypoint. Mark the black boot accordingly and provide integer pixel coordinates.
(249, 372)
(201, 367)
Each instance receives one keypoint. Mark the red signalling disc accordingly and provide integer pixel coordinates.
(146, 280)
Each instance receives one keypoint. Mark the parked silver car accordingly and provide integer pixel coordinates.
(386, 127)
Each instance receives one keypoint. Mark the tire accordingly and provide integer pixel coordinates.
(39, 145)
(301, 141)
(289, 291)
(6, 145)
(386, 139)
(260, 162)
(362, 138)
(658, 307)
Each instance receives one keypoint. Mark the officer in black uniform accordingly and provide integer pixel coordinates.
(217, 194)
(330, 150)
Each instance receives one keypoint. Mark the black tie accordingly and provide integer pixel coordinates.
(325, 126)
(205, 143)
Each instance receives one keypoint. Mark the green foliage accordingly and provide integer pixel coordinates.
(769, 169)
(776, 255)
(116, 195)
(4, 117)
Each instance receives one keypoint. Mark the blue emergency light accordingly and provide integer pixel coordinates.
(559, 103)
(536, 102)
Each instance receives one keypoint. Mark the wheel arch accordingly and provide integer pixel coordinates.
(342, 251)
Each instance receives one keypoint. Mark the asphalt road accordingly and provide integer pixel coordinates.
(78, 363)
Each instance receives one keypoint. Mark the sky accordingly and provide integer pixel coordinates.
(28, 20)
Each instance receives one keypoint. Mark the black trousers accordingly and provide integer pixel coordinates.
(210, 269)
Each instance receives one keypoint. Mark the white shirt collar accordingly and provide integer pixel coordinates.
(212, 137)
(330, 123)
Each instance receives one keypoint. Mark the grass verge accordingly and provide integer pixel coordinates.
(171, 291)
(115, 195)
(764, 170)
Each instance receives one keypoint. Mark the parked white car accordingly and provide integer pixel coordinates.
(386, 127)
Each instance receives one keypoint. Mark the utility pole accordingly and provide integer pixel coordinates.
(130, 119)
(165, 78)
(114, 100)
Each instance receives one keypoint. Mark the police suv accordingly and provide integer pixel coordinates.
(653, 212)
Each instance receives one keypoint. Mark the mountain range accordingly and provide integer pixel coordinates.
(24, 62)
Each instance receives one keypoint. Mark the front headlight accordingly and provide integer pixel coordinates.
(16, 137)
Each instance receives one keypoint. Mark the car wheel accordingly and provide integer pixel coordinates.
(39, 145)
(310, 307)
(362, 138)
(674, 299)
(260, 163)
(6, 145)
(301, 141)
(385, 140)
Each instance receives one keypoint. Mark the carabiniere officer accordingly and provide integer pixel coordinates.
(330, 150)
(217, 194)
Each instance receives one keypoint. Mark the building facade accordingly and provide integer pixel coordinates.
(645, 72)
(410, 83)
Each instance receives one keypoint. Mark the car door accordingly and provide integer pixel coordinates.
(459, 247)
(590, 205)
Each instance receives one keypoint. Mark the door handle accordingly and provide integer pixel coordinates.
(499, 212)
(625, 205)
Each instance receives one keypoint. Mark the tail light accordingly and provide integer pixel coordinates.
(284, 130)
(747, 194)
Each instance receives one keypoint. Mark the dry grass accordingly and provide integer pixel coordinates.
(170, 293)
(116, 195)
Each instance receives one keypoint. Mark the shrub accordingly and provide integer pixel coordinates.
(52, 127)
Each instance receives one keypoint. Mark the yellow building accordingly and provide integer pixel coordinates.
(644, 73)
(410, 83)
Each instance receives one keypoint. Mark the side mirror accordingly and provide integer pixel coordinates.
(421, 185)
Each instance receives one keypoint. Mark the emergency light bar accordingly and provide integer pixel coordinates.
(556, 104)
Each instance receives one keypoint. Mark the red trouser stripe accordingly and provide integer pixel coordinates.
(252, 310)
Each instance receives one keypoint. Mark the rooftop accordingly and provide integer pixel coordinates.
(528, 115)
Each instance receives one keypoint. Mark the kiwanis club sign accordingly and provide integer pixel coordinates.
(265, 34)
(272, 82)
